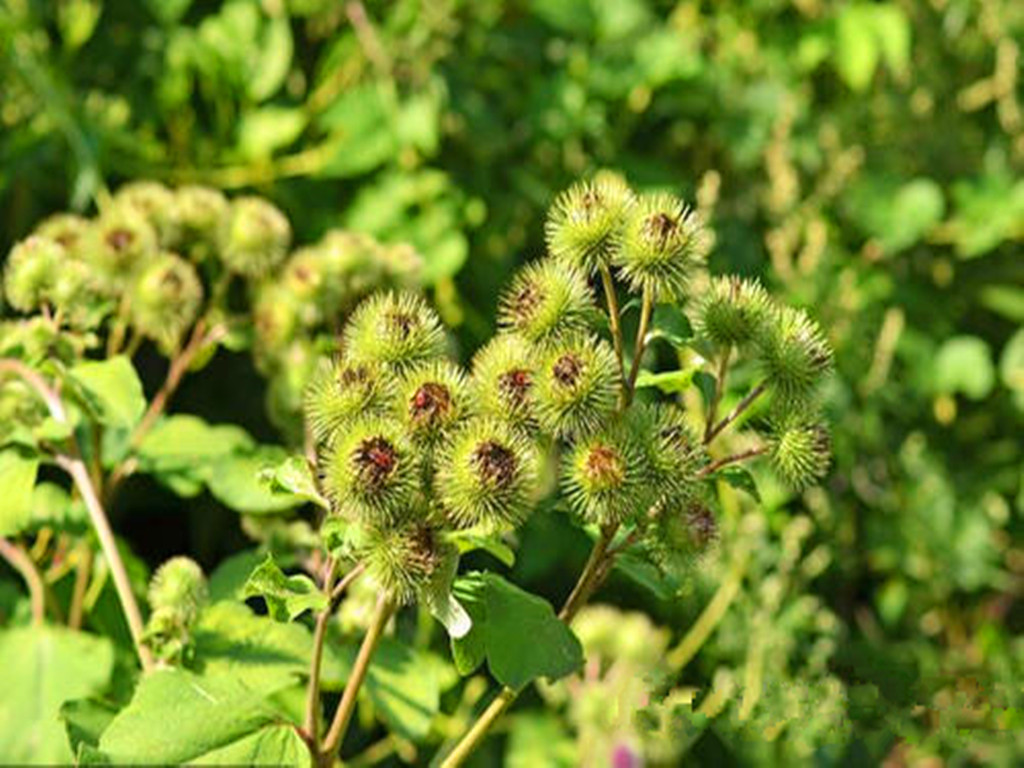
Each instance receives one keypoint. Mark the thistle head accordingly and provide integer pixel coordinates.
(585, 222)
(68, 229)
(672, 449)
(504, 379)
(794, 354)
(179, 586)
(432, 398)
(198, 212)
(681, 534)
(155, 203)
(577, 385)
(605, 476)
(546, 298)
(166, 298)
(394, 329)
(663, 245)
(120, 243)
(733, 311)
(800, 450)
(276, 317)
(340, 392)
(487, 475)
(371, 472)
(402, 560)
(32, 272)
(254, 237)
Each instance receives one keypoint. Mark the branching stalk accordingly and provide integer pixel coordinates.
(716, 398)
(614, 321)
(20, 561)
(736, 412)
(735, 458)
(646, 308)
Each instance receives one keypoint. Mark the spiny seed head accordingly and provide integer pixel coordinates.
(733, 311)
(546, 298)
(504, 379)
(154, 202)
(576, 385)
(32, 271)
(79, 296)
(394, 329)
(487, 475)
(254, 237)
(340, 392)
(179, 586)
(276, 318)
(198, 212)
(794, 354)
(69, 230)
(585, 222)
(672, 449)
(800, 450)
(681, 535)
(432, 399)
(121, 242)
(371, 472)
(165, 299)
(401, 560)
(605, 476)
(663, 245)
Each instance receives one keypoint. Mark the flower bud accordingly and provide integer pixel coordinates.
(673, 451)
(794, 354)
(402, 560)
(800, 450)
(32, 271)
(576, 386)
(663, 244)
(488, 476)
(276, 318)
(504, 379)
(546, 298)
(605, 477)
(156, 203)
(585, 222)
(432, 399)
(120, 242)
(340, 392)
(166, 299)
(179, 586)
(371, 472)
(733, 311)
(69, 230)
(254, 237)
(396, 329)
(199, 212)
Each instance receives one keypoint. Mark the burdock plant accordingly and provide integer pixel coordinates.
(557, 385)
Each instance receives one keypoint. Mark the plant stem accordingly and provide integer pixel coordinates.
(82, 574)
(709, 618)
(347, 706)
(723, 369)
(588, 581)
(736, 412)
(75, 467)
(646, 308)
(312, 721)
(717, 464)
(613, 318)
(20, 561)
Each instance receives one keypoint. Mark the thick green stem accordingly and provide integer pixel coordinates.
(646, 308)
(347, 706)
(614, 322)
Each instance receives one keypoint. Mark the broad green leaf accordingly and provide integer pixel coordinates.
(261, 132)
(669, 323)
(111, 389)
(287, 597)
(85, 721)
(294, 477)
(42, 668)
(912, 212)
(359, 125)
(272, 745)
(177, 716)
(274, 58)
(182, 442)
(1005, 300)
(227, 581)
(669, 382)
(892, 32)
(168, 11)
(741, 479)
(706, 383)
(518, 633)
(470, 541)
(442, 604)
(266, 655)
(235, 482)
(964, 365)
(18, 470)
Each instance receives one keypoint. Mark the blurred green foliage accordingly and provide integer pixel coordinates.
(862, 158)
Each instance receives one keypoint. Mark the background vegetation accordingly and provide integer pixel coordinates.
(862, 159)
